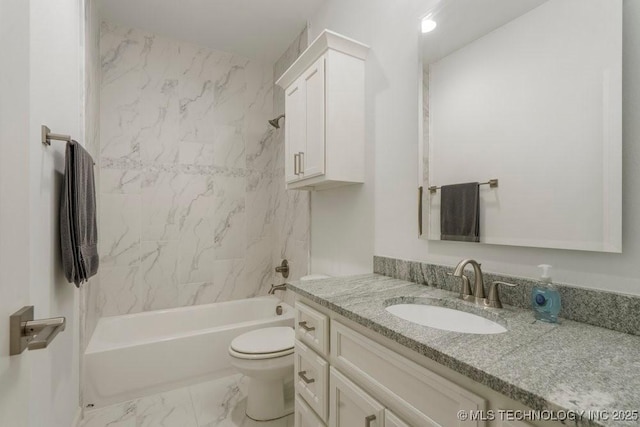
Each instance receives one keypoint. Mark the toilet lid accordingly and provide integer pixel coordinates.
(265, 341)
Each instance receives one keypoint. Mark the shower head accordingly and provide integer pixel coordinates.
(274, 122)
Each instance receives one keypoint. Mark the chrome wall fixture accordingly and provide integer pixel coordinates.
(25, 332)
(47, 136)
(493, 183)
(274, 122)
(283, 268)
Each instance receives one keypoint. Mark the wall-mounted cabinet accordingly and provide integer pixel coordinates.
(324, 114)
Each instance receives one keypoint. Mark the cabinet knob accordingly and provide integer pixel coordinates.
(301, 162)
(296, 164)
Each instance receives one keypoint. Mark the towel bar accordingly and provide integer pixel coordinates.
(493, 183)
(47, 136)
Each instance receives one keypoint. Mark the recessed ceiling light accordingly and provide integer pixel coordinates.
(428, 24)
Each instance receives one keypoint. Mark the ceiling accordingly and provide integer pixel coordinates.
(259, 29)
(462, 21)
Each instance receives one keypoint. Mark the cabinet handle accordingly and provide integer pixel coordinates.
(301, 161)
(304, 326)
(367, 420)
(296, 164)
(303, 376)
(420, 211)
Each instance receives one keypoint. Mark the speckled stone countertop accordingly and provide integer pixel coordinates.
(569, 366)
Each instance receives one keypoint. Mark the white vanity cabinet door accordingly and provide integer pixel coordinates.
(312, 160)
(304, 415)
(420, 396)
(392, 420)
(295, 128)
(350, 406)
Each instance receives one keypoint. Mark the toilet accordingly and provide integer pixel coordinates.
(265, 356)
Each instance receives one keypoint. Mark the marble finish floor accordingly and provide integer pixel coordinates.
(218, 403)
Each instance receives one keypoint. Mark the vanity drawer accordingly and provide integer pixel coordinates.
(305, 417)
(312, 379)
(312, 328)
(416, 394)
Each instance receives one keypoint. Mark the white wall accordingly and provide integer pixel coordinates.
(55, 100)
(14, 206)
(386, 206)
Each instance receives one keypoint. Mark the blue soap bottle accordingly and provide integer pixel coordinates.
(545, 298)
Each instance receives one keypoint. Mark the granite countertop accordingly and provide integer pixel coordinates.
(569, 366)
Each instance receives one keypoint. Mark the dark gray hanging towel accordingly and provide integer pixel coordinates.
(460, 212)
(78, 224)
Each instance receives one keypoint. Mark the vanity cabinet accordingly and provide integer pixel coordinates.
(419, 396)
(304, 415)
(324, 114)
(346, 379)
(347, 375)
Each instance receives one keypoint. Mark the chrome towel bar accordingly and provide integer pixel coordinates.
(47, 136)
(493, 183)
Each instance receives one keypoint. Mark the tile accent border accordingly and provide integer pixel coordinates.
(610, 310)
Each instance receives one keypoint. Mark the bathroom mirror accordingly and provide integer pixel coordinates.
(527, 92)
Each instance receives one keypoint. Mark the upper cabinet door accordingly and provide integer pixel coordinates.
(295, 129)
(351, 406)
(313, 157)
(324, 97)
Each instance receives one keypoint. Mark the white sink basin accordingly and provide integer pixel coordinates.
(446, 319)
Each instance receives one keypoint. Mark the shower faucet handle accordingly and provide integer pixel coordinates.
(283, 268)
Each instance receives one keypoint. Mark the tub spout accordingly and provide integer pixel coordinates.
(275, 288)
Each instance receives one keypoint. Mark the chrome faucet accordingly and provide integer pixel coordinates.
(478, 284)
(275, 288)
(477, 296)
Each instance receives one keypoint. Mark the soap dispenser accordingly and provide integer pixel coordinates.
(545, 298)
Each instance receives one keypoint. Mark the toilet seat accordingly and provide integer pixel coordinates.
(259, 356)
(266, 343)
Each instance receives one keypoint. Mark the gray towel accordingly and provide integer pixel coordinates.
(78, 224)
(460, 212)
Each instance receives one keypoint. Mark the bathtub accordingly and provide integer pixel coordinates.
(134, 355)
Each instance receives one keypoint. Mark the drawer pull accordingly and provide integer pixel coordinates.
(303, 376)
(367, 421)
(304, 326)
(301, 163)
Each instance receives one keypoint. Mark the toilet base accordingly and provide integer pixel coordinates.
(269, 399)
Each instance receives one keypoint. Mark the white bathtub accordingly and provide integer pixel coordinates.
(137, 354)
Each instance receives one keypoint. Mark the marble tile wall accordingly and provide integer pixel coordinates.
(193, 206)
(610, 310)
